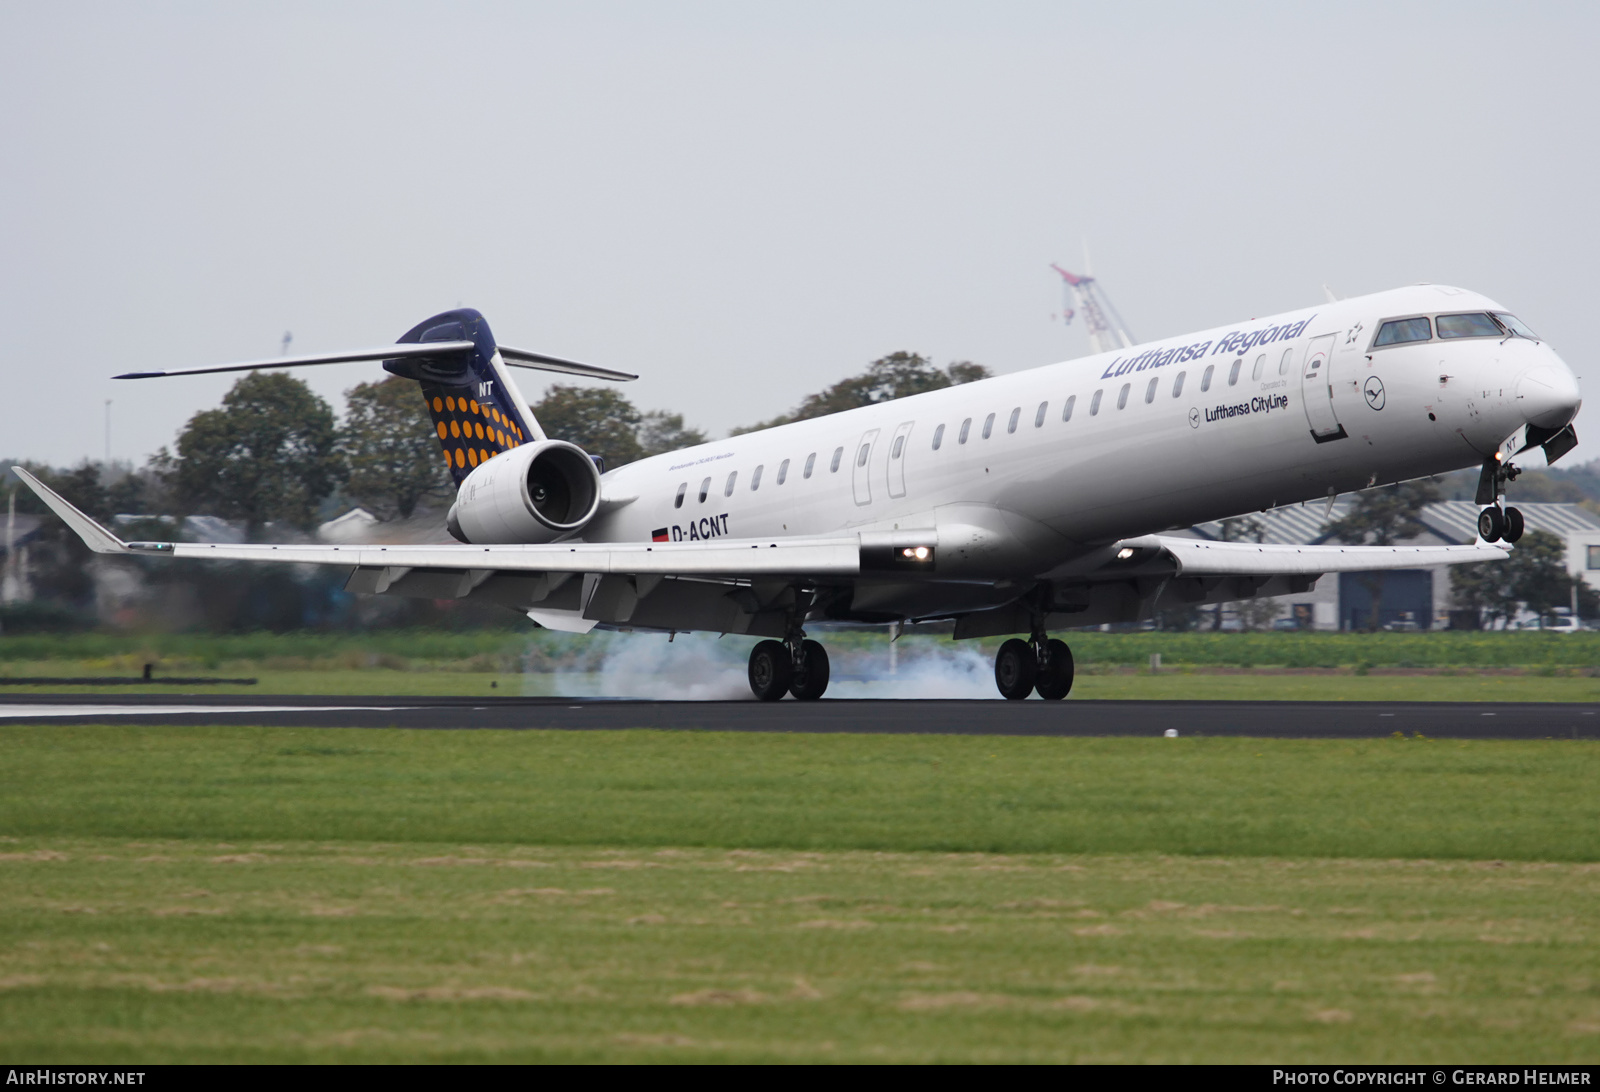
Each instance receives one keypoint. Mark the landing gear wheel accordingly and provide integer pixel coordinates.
(1054, 681)
(1015, 668)
(1514, 525)
(771, 668)
(810, 680)
(1492, 524)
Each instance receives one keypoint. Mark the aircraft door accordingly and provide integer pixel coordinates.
(899, 450)
(1317, 392)
(861, 467)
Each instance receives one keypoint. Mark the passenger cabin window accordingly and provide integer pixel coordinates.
(1150, 391)
(899, 446)
(1038, 418)
(1066, 411)
(1094, 403)
(727, 490)
(811, 463)
(1401, 331)
(838, 453)
(938, 437)
(988, 426)
(1016, 415)
(783, 471)
(755, 479)
(1177, 384)
(1233, 372)
(705, 490)
(1122, 396)
(1475, 325)
(966, 427)
(861, 456)
(1261, 366)
(677, 502)
(1283, 365)
(1205, 379)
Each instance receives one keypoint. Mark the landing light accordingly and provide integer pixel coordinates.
(1125, 553)
(915, 553)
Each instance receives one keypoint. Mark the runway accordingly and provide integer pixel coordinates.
(1268, 719)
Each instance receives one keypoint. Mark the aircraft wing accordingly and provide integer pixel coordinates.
(839, 555)
(1200, 557)
(820, 556)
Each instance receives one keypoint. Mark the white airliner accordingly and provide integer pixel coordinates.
(1021, 504)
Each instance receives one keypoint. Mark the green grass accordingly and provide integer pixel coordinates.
(1355, 798)
(500, 649)
(1196, 685)
(157, 951)
(256, 894)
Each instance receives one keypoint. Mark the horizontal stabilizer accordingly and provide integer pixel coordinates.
(384, 352)
(522, 358)
(1201, 557)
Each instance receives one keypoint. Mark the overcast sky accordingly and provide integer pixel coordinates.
(745, 202)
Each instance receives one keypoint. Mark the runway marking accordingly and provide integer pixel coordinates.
(192, 710)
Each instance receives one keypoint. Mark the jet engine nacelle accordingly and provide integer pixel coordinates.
(538, 492)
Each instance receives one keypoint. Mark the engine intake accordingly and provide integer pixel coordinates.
(538, 492)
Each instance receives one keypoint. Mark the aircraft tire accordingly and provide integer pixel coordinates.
(1054, 680)
(771, 669)
(810, 680)
(1015, 668)
(1491, 524)
(1514, 525)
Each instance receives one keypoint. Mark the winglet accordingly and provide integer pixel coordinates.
(94, 536)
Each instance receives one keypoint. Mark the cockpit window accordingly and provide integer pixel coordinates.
(1476, 324)
(1401, 331)
(1516, 325)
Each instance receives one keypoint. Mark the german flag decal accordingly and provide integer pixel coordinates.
(659, 535)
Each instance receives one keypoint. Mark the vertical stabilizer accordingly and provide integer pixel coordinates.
(476, 408)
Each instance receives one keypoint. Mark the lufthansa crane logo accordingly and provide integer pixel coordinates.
(1373, 389)
(1194, 418)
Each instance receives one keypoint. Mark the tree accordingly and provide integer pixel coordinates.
(1483, 590)
(1534, 575)
(898, 375)
(660, 432)
(390, 449)
(1382, 517)
(599, 420)
(269, 453)
(1239, 529)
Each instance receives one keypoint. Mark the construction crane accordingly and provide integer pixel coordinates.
(1101, 322)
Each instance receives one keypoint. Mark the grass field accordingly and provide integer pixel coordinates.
(219, 894)
(1445, 666)
(1196, 685)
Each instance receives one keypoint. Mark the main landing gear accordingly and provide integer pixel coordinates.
(1042, 664)
(795, 666)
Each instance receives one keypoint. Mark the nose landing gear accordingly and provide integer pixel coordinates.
(1043, 664)
(1497, 521)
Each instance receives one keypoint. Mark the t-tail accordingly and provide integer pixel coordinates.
(476, 408)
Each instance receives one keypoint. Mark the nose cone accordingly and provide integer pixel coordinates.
(1547, 395)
